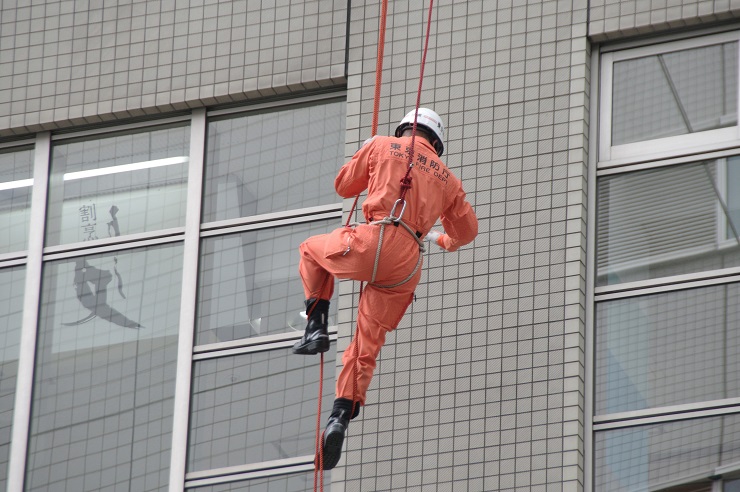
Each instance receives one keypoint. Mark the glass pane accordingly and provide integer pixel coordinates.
(272, 162)
(666, 349)
(256, 407)
(16, 184)
(105, 371)
(674, 93)
(249, 283)
(662, 456)
(297, 482)
(118, 185)
(666, 221)
(731, 485)
(12, 282)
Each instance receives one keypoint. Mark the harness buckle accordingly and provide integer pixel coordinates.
(403, 209)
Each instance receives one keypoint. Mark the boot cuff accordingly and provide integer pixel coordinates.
(346, 405)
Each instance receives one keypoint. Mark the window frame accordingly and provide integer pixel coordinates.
(648, 150)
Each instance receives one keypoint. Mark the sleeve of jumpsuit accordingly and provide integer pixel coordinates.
(459, 222)
(354, 176)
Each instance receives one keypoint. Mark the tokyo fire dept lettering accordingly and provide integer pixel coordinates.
(91, 283)
(429, 166)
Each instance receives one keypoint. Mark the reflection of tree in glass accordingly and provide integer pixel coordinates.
(113, 224)
(96, 299)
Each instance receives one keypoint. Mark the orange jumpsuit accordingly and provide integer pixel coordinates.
(349, 253)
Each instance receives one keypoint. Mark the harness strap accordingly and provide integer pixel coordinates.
(382, 223)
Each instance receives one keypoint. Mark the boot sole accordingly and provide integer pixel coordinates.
(312, 348)
(332, 449)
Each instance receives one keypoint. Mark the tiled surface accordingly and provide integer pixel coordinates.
(613, 19)
(481, 387)
(74, 62)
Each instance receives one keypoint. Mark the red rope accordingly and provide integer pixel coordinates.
(319, 443)
(406, 181)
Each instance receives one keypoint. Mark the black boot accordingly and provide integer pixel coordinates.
(316, 337)
(336, 428)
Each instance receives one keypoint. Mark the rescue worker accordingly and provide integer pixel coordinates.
(350, 253)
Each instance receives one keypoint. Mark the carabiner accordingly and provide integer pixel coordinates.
(403, 208)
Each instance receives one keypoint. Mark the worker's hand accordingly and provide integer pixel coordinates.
(367, 141)
(433, 236)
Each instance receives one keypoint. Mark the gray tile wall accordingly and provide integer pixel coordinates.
(613, 19)
(82, 61)
(481, 387)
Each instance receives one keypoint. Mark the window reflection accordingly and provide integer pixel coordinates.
(118, 185)
(675, 93)
(249, 284)
(665, 456)
(668, 221)
(256, 407)
(272, 162)
(12, 281)
(105, 371)
(667, 349)
(16, 184)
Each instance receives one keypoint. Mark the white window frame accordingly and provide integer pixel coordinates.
(660, 148)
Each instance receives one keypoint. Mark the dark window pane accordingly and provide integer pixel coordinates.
(296, 482)
(118, 185)
(663, 456)
(249, 283)
(666, 349)
(731, 485)
(272, 162)
(12, 281)
(674, 93)
(105, 371)
(666, 221)
(16, 183)
(256, 407)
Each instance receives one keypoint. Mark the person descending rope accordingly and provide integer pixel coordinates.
(387, 257)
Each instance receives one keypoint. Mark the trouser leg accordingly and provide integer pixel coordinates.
(318, 283)
(379, 312)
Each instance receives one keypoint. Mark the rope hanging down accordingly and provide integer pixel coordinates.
(405, 186)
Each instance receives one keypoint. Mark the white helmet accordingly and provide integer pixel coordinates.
(429, 121)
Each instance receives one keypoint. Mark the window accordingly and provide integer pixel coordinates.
(273, 161)
(666, 332)
(294, 482)
(11, 314)
(256, 407)
(667, 97)
(268, 186)
(667, 349)
(105, 371)
(668, 220)
(120, 396)
(118, 185)
(249, 283)
(666, 455)
(16, 184)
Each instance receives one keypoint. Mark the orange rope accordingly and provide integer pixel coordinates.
(378, 85)
(379, 67)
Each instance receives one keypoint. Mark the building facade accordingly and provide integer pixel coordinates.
(161, 161)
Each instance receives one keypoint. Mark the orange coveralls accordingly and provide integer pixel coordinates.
(349, 253)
